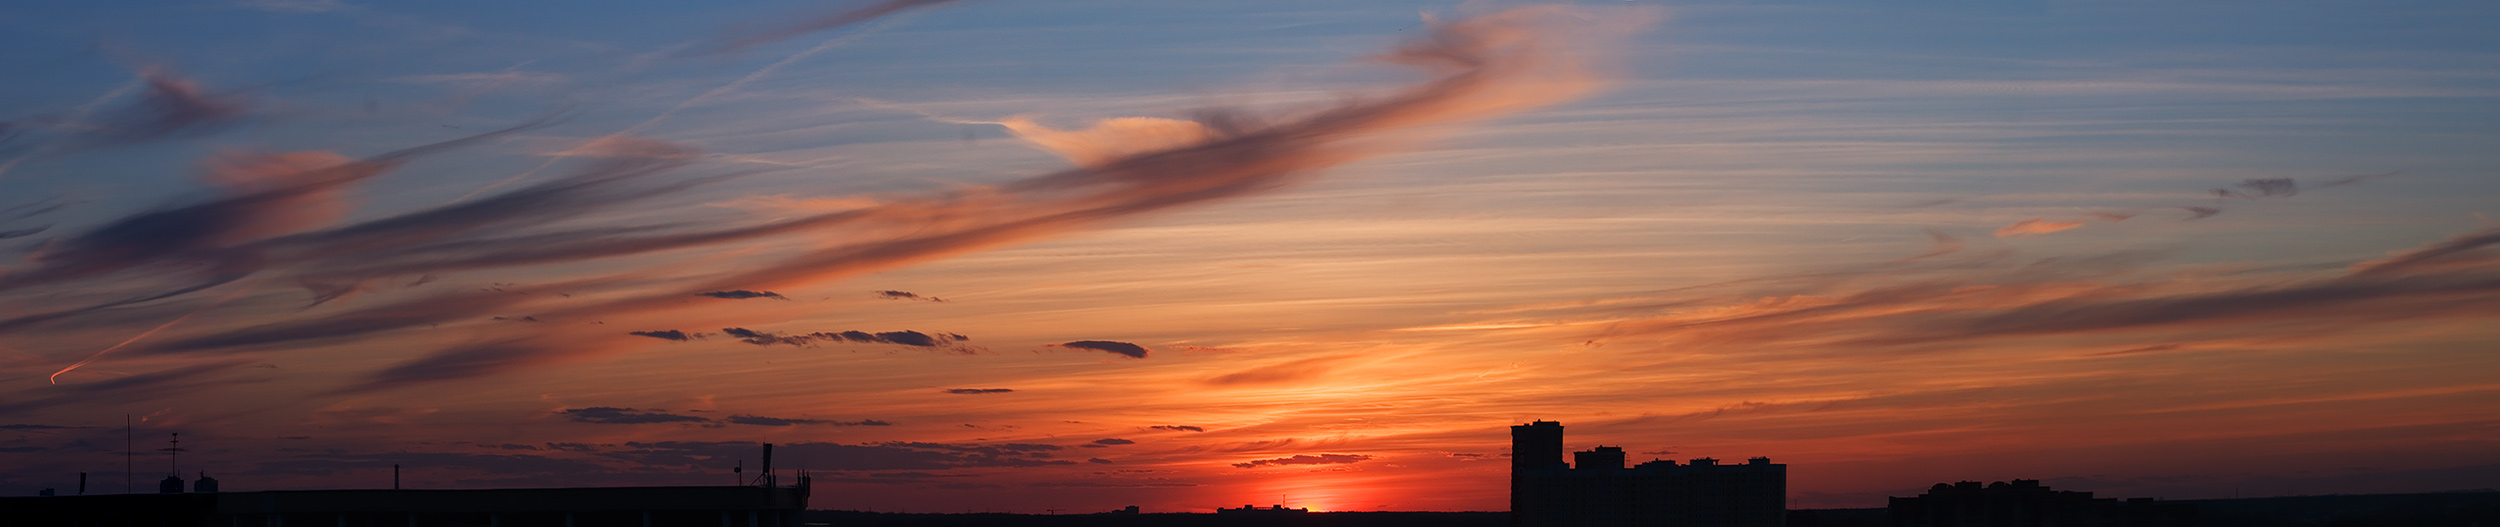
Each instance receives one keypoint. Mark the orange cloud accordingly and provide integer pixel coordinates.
(1110, 139)
(2036, 226)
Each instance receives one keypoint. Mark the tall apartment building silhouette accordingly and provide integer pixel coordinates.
(1596, 489)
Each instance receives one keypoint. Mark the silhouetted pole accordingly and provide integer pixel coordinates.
(173, 463)
(768, 464)
(82, 483)
(394, 476)
(130, 456)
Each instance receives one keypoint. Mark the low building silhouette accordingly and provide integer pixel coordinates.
(1255, 510)
(2027, 503)
(1598, 490)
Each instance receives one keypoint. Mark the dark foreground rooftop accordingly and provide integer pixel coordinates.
(626, 506)
(2449, 509)
(1314, 519)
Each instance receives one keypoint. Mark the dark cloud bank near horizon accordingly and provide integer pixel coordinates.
(628, 416)
(1305, 459)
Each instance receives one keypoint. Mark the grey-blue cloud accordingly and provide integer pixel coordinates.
(626, 416)
(1114, 347)
(741, 294)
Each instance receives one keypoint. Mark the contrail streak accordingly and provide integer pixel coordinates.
(845, 18)
(759, 74)
(79, 114)
(874, 103)
(55, 378)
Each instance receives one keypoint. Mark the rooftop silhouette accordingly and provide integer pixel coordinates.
(2027, 503)
(1598, 490)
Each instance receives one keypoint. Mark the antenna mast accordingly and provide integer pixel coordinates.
(173, 465)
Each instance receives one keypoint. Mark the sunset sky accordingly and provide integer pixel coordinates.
(1018, 255)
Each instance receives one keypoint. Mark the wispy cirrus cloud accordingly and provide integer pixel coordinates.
(499, 78)
(2249, 189)
(294, 6)
(611, 415)
(2448, 280)
(626, 416)
(2036, 226)
(892, 455)
(1484, 66)
(1278, 373)
(170, 107)
(602, 259)
(758, 34)
(784, 421)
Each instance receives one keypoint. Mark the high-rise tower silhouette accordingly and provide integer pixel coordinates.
(1534, 447)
